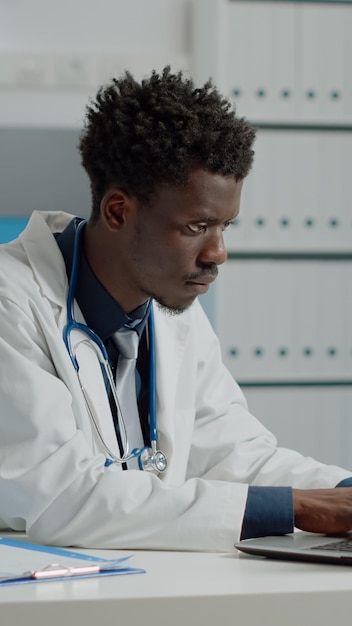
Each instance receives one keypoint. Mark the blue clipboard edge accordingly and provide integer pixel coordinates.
(25, 545)
(27, 581)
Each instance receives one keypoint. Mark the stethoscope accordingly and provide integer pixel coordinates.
(149, 458)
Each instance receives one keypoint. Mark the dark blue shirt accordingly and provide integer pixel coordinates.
(269, 511)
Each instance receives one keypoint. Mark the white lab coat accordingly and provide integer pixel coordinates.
(53, 483)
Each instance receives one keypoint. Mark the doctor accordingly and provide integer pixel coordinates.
(180, 463)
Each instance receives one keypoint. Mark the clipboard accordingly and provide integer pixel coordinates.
(23, 562)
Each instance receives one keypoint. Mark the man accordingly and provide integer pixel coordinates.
(166, 164)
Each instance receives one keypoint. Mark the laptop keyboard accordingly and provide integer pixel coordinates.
(344, 545)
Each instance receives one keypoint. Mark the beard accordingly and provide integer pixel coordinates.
(170, 309)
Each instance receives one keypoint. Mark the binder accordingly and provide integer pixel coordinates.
(284, 188)
(334, 318)
(231, 318)
(335, 155)
(347, 78)
(296, 198)
(321, 61)
(291, 414)
(263, 85)
(238, 47)
(333, 59)
(313, 421)
(308, 61)
(24, 562)
(306, 167)
(344, 148)
(261, 194)
(282, 46)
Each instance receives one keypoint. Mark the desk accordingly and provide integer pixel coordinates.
(189, 588)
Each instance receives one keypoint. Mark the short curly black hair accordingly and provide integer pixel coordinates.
(138, 136)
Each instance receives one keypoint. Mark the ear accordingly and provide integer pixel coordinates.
(115, 207)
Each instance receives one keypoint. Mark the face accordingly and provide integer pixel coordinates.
(175, 246)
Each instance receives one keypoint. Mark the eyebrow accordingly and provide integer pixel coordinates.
(211, 219)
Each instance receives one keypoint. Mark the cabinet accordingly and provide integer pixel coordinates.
(283, 300)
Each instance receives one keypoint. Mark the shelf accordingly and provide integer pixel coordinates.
(294, 383)
(291, 255)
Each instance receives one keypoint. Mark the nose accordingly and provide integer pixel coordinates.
(213, 251)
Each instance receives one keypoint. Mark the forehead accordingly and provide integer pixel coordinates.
(205, 194)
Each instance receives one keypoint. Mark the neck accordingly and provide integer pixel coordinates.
(106, 260)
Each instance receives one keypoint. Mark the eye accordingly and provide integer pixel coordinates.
(197, 229)
(227, 224)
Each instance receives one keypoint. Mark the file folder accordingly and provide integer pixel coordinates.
(24, 562)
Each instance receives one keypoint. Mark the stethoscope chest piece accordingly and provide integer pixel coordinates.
(152, 460)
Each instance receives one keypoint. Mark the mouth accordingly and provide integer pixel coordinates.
(204, 277)
(201, 285)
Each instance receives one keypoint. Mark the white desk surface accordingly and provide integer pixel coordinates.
(189, 588)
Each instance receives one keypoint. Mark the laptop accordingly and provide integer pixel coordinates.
(301, 546)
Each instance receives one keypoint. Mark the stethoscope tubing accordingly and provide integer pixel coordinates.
(99, 347)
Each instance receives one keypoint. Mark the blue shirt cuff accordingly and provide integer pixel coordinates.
(347, 482)
(269, 511)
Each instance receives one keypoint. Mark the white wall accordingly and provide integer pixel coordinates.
(54, 55)
(104, 27)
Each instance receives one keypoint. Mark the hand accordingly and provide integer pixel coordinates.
(326, 511)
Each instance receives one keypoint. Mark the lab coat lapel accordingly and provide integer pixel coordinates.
(46, 260)
(49, 269)
(170, 340)
(92, 380)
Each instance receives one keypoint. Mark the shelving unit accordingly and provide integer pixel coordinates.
(283, 302)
